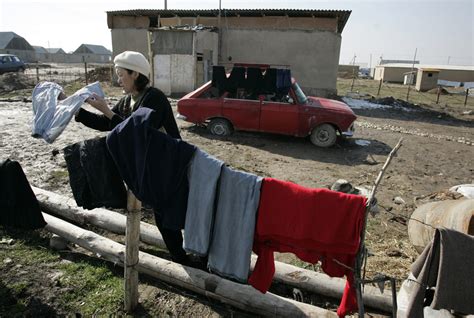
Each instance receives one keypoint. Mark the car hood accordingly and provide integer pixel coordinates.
(329, 104)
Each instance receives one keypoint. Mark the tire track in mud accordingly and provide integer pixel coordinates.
(414, 132)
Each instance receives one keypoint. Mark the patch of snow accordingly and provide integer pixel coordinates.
(362, 104)
(362, 142)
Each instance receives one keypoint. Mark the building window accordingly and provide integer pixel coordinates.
(430, 74)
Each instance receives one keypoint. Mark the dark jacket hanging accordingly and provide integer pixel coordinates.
(93, 176)
(152, 98)
(18, 205)
(153, 165)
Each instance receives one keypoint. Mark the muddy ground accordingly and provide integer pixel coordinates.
(437, 153)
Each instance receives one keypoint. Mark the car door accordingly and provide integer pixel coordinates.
(280, 117)
(244, 114)
(4, 64)
(9, 65)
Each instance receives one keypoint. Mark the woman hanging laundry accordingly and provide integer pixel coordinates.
(133, 71)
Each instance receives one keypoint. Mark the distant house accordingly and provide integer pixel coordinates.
(56, 50)
(12, 43)
(42, 55)
(52, 55)
(395, 73)
(93, 53)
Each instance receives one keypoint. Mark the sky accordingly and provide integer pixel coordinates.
(440, 31)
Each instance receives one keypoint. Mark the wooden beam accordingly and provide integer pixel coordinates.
(240, 296)
(306, 280)
(132, 241)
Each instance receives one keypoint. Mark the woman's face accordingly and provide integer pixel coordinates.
(126, 80)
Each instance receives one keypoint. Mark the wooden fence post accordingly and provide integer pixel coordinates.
(132, 238)
(380, 85)
(37, 74)
(85, 72)
(467, 94)
(437, 95)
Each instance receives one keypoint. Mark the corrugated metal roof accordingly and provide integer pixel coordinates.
(40, 49)
(341, 15)
(426, 66)
(92, 48)
(6, 37)
(55, 50)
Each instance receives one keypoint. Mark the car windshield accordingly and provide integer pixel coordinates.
(300, 96)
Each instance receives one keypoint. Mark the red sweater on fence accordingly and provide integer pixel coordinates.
(315, 225)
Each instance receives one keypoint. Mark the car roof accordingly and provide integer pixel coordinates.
(8, 55)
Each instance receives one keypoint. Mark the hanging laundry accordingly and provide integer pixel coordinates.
(283, 81)
(219, 78)
(204, 173)
(94, 179)
(315, 225)
(153, 165)
(447, 264)
(236, 79)
(234, 225)
(254, 81)
(51, 116)
(270, 80)
(18, 204)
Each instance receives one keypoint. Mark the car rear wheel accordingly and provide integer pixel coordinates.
(220, 127)
(324, 135)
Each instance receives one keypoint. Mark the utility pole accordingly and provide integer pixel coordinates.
(412, 67)
(166, 4)
(449, 57)
(353, 72)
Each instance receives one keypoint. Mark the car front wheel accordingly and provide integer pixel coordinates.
(324, 135)
(220, 127)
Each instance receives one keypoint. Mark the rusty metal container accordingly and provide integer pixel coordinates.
(453, 214)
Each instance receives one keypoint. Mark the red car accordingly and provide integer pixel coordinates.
(294, 114)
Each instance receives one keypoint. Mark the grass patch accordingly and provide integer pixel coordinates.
(86, 287)
(93, 289)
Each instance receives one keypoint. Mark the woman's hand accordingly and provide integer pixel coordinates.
(100, 104)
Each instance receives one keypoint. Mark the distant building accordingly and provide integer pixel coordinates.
(347, 70)
(12, 43)
(92, 53)
(426, 79)
(55, 50)
(52, 55)
(382, 62)
(395, 72)
(306, 41)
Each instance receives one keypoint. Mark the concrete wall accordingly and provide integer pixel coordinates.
(313, 56)
(127, 39)
(24, 55)
(391, 74)
(347, 71)
(174, 73)
(426, 80)
(456, 75)
(206, 40)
